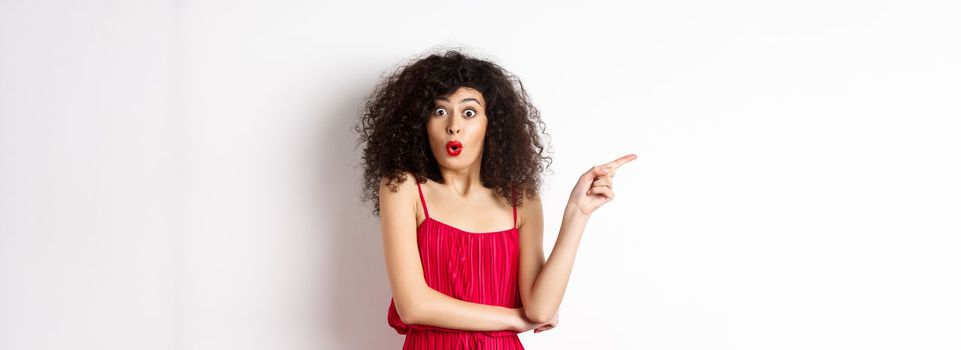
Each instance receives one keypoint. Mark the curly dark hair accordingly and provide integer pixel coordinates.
(392, 126)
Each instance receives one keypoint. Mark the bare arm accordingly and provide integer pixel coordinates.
(416, 302)
(542, 284)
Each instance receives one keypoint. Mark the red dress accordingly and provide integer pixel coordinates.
(475, 267)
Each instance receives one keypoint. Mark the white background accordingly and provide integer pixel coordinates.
(183, 174)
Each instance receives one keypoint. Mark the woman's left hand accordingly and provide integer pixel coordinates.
(596, 186)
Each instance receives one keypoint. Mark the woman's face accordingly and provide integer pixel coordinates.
(456, 128)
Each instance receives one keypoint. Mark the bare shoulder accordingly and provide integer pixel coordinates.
(530, 202)
(530, 210)
(403, 183)
(398, 193)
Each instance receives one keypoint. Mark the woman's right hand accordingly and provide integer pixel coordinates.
(549, 325)
(520, 322)
(523, 324)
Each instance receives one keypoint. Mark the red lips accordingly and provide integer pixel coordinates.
(454, 148)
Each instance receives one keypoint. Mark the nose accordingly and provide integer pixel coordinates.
(453, 126)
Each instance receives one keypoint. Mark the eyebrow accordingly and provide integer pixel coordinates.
(461, 101)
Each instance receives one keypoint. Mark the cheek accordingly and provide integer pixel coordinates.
(435, 132)
(479, 132)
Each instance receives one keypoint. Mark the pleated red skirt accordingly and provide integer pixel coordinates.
(475, 267)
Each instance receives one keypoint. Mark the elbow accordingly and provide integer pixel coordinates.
(414, 306)
(409, 312)
(407, 315)
(538, 316)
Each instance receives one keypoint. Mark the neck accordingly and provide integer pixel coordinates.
(461, 181)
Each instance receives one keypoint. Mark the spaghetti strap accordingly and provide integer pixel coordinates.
(515, 207)
(422, 201)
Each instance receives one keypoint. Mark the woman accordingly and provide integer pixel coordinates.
(453, 162)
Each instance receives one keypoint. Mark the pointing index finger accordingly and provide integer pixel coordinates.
(620, 161)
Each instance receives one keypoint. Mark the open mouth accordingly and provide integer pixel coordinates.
(454, 148)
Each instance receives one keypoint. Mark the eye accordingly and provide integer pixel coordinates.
(470, 113)
(440, 112)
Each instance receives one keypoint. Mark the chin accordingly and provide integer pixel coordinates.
(457, 163)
